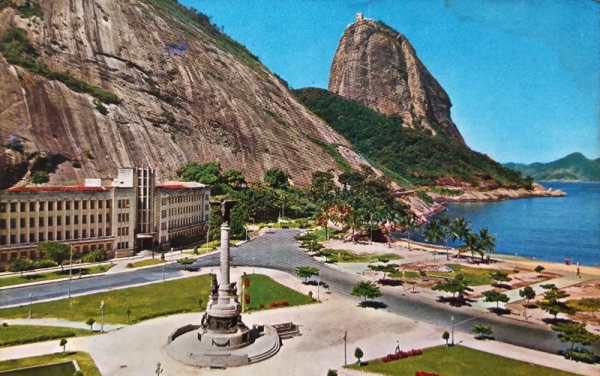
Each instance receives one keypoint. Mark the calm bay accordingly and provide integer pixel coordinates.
(544, 228)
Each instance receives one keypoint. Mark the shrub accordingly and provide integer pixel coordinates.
(95, 256)
(44, 263)
(40, 177)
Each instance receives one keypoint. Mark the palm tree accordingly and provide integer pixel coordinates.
(433, 232)
(446, 230)
(409, 223)
(487, 241)
(473, 243)
(460, 228)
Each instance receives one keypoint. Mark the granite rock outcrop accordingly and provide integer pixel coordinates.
(378, 67)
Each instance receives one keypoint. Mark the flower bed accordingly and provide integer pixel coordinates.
(423, 373)
(401, 355)
(280, 303)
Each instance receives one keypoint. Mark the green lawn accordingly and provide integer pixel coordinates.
(87, 365)
(149, 262)
(158, 299)
(343, 255)
(457, 361)
(407, 274)
(39, 277)
(19, 334)
(473, 276)
(264, 290)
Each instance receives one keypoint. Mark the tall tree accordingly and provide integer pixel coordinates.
(433, 232)
(486, 241)
(306, 272)
(446, 229)
(460, 228)
(277, 178)
(575, 333)
(55, 251)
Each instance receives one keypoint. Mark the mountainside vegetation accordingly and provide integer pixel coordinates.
(411, 156)
(573, 167)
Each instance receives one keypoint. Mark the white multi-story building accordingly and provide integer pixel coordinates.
(131, 213)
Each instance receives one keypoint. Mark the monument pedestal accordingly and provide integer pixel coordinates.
(222, 339)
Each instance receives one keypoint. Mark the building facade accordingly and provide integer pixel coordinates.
(130, 213)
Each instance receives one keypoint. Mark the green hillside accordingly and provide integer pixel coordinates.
(572, 167)
(407, 155)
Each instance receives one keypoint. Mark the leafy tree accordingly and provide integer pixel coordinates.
(410, 223)
(528, 293)
(324, 192)
(446, 336)
(20, 264)
(552, 302)
(456, 286)
(306, 272)
(90, 321)
(55, 251)
(185, 262)
(332, 372)
(538, 269)
(128, 313)
(234, 178)
(575, 333)
(366, 290)
(63, 343)
(389, 268)
(495, 296)
(472, 243)
(206, 173)
(482, 331)
(499, 276)
(358, 354)
(277, 178)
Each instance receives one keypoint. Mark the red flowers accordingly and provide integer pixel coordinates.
(280, 303)
(401, 355)
(423, 373)
(246, 282)
(247, 298)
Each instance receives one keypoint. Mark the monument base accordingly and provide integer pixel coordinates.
(191, 345)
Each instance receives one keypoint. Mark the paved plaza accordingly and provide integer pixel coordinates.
(136, 349)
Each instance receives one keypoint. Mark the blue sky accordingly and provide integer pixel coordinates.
(523, 75)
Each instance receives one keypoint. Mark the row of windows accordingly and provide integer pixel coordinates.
(184, 222)
(123, 231)
(51, 205)
(182, 199)
(43, 236)
(123, 245)
(41, 221)
(123, 217)
(33, 254)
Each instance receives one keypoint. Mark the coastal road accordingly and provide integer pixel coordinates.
(279, 250)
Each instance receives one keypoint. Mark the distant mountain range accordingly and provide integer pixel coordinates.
(572, 167)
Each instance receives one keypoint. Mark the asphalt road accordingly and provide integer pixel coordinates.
(279, 250)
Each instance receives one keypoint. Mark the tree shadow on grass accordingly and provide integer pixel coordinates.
(372, 304)
(456, 301)
(500, 311)
(504, 286)
(32, 276)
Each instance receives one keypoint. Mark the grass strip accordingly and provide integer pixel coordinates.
(263, 290)
(457, 361)
(473, 276)
(13, 335)
(143, 303)
(85, 361)
(40, 277)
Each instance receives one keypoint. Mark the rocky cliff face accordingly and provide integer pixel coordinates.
(376, 66)
(187, 92)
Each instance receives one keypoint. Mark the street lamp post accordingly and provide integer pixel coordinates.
(102, 316)
(30, 295)
(253, 264)
(159, 370)
(318, 285)
(70, 270)
(171, 254)
(163, 268)
(452, 319)
(345, 339)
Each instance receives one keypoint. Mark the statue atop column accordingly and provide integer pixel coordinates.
(226, 206)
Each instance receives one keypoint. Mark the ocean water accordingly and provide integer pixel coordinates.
(544, 228)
